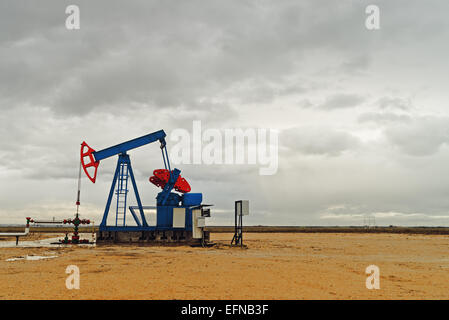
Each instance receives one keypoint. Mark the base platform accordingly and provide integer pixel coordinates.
(149, 237)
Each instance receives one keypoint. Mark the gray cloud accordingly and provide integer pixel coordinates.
(383, 118)
(318, 141)
(183, 55)
(394, 103)
(288, 65)
(422, 137)
(342, 101)
(356, 65)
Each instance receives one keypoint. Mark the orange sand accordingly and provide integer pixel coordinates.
(275, 266)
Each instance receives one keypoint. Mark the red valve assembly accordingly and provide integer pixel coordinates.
(161, 177)
(75, 237)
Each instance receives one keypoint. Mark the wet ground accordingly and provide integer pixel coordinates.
(42, 241)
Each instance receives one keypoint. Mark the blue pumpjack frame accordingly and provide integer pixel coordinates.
(123, 159)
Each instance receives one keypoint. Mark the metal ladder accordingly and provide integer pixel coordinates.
(121, 193)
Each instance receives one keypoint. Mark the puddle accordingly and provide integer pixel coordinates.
(44, 243)
(31, 258)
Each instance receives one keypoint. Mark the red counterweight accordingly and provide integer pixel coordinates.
(161, 176)
(91, 163)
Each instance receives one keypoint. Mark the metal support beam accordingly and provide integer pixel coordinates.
(111, 194)
(122, 148)
(238, 230)
(136, 192)
(124, 160)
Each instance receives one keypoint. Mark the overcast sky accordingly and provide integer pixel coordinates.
(362, 115)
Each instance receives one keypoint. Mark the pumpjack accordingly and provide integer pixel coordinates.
(180, 214)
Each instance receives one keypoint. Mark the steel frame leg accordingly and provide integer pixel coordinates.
(124, 158)
(111, 194)
(238, 233)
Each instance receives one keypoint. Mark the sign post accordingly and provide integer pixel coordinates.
(241, 209)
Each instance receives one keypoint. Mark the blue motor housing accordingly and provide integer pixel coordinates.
(172, 200)
(192, 199)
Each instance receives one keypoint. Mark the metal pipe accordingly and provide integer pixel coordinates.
(49, 222)
(18, 234)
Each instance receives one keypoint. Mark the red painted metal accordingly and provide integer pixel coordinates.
(160, 178)
(91, 163)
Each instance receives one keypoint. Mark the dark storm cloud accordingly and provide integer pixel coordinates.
(145, 65)
(166, 55)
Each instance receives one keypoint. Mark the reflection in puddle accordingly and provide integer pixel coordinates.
(32, 258)
(45, 243)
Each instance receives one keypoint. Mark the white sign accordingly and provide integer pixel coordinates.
(243, 207)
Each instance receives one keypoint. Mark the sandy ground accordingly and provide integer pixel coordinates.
(275, 266)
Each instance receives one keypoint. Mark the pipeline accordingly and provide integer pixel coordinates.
(18, 234)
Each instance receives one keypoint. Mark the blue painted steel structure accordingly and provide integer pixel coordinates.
(166, 199)
(122, 172)
(132, 144)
